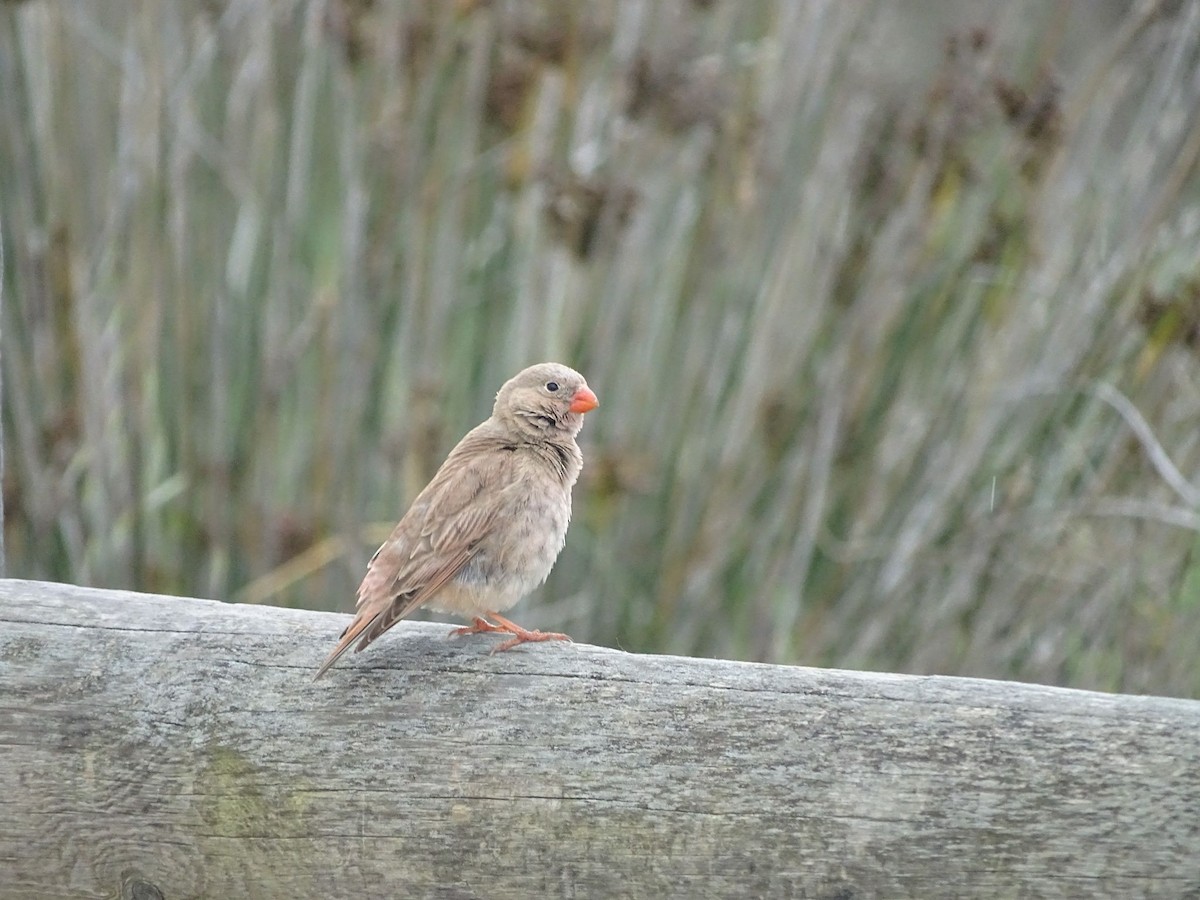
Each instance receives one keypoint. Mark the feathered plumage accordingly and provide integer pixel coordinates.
(489, 526)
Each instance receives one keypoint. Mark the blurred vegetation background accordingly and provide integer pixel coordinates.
(893, 310)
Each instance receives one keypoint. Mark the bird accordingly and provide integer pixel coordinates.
(489, 526)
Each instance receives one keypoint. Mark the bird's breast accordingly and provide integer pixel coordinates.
(516, 556)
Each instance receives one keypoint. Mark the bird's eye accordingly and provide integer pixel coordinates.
(552, 386)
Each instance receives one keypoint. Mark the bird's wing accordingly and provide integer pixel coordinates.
(437, 537)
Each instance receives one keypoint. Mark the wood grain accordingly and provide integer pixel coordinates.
(164, 747)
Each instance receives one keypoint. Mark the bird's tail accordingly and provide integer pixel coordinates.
(349, 636)
(366, 627)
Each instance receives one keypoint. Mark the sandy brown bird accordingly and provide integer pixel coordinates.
(489, 526)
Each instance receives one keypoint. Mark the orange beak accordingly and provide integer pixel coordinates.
(583, 401)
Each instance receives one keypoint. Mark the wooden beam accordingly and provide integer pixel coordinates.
(163, 747)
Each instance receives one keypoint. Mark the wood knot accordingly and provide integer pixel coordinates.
(135, 887)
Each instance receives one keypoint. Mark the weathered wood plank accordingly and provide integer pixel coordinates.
(154, 746)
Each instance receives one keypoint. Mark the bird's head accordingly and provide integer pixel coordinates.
(545, 401)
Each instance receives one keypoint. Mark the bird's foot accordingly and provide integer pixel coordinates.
(527, 637)
(521, 635)
(478, 626)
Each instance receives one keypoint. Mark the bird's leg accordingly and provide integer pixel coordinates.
(478, 626)
(520, 635)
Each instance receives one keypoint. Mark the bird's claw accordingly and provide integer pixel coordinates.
(477, 626)
(528, 637)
